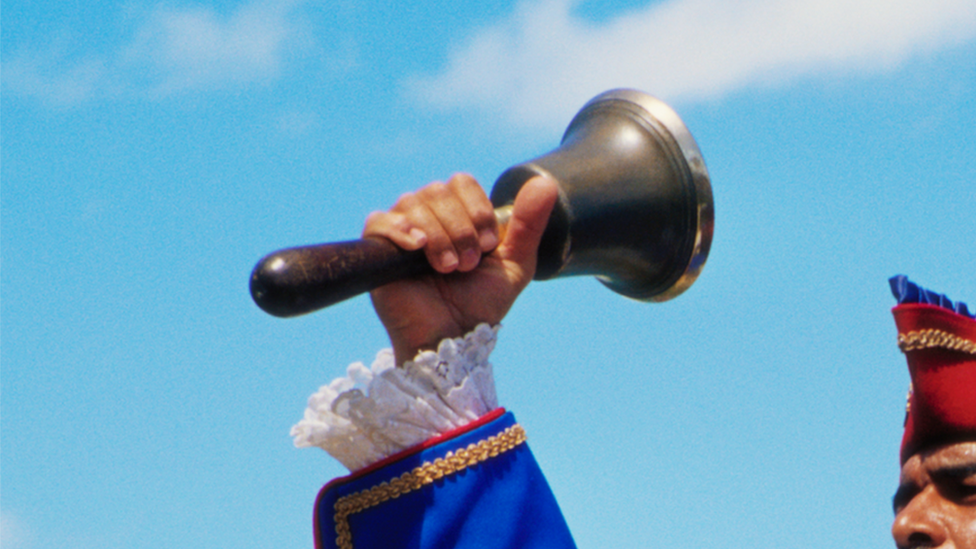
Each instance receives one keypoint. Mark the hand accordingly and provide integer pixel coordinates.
(454, 223)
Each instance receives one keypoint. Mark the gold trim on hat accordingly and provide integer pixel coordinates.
(934, 339)
(421, 476)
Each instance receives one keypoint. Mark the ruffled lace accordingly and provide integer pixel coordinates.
(375, 412)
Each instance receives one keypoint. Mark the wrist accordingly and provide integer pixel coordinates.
(408, 344)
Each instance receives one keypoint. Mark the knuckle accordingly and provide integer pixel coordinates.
(463, 180)
(401, 223)
(404, 201)
(438, 241)
(374, 222)
(375, 218)
(465, 236)
(484, 218)
(434, 191)
(386, 224)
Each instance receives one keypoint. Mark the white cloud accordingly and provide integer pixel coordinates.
(50, 76)
(197, 48)
(543, 62)
(14, 534)
(170, 50)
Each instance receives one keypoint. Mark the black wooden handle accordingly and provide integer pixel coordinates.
(296, 281)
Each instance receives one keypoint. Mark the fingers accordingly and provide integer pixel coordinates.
(479, 208)
(533, 204)
(396, 227)
(453, 222)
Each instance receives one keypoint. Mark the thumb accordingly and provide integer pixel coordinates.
(530, 215)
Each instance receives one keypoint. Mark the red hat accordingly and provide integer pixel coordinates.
(938, 338)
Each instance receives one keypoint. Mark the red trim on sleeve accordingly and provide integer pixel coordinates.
(430, 442)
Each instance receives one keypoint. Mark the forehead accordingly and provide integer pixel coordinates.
(946, 458)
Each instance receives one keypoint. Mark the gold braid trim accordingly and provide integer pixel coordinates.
(421, 476)
(929, 339)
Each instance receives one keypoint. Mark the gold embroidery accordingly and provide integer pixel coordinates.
(929, 339)
(423, 475)
(908, 401)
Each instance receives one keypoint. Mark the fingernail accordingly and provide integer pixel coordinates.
(471, 257)
(487, 240)
(420, 237)
(449, 260)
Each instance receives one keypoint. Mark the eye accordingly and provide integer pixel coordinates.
(967, 489)
(960, 489)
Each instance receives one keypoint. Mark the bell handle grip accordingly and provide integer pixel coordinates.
(300, 280)
(296, 281)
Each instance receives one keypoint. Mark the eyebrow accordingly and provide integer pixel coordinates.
(954, 471)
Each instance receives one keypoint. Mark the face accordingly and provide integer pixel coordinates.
(935, 505)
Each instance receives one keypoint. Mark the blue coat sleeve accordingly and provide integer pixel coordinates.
(475, 488)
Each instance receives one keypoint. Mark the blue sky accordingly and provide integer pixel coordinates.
(153, 152)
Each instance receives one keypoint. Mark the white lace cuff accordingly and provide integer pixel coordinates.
(373, 413)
